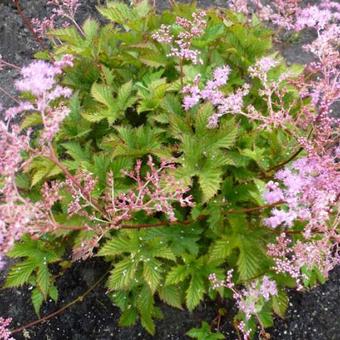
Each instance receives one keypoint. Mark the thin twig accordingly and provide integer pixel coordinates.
(282, 164)
(9, 95)
(27, 22)
(80, 298)
(199, 218)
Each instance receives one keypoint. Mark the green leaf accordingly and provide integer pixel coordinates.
(176, 275)
(142, 8)
(152, 273)
(90, 28)
(148, 324)
(266, 318)
(166, 253)
(221, 249)
(42, 168)
(280, 303)
(117, 12)
(204, 333)
(123, 274)
(170, 295)
(128, 317)
(195, 292)
(20, 273)
(43, 279)
(124, 98)
(53, 293)
(115, 246)
(37, 300)
(145, 306)
(68, 34)
(210, 180)
(95, 117)
(103, 94)
(249, 261)
(76, 151)
(31, 120)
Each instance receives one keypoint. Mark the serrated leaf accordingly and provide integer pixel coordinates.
(37, 300)
(90, 28)
(280, 303)
(43, 279)
(20, 273)
(123, 274)
(68, 34)
(166, 253)
(249, 261)
(95, 117)
(115, 246)
(142, 8)
(148, 324)
(145, 307)
(210, 180)
(53, 293)
(171, 104)
(176, 275)
(171, 296)
(221, 249)
(152, 58)
(204, 333)
(121, 299)
(128, 317)
(266, 318)
(152, 273)
(42, 168)
(76, 151)
(117, 12)
(195, 292)
(124, 96)
(103, 94)
(38, 176)
(31, 120)
(202, 117)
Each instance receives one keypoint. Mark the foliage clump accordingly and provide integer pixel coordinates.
(167, 144)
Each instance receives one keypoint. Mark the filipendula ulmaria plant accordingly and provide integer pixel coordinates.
(151, 141)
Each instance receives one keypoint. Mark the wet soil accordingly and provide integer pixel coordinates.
(311, 315)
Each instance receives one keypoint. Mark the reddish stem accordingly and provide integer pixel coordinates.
(27, 22)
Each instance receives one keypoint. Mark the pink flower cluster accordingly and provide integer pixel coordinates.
(181, 43)
(252, 296)
(281, 13)
(294, 259)
(231, 103)
(11, 146)
(5, 333)
(318, 17)
(273, 93)
(156, 192)
(243, 329)
(311, 191)
(39, 78)
(61, 9)
(81, 186)
(19, 215)
(64, 8)
(311, 188)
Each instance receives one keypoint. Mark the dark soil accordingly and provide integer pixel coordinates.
(311, 315)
